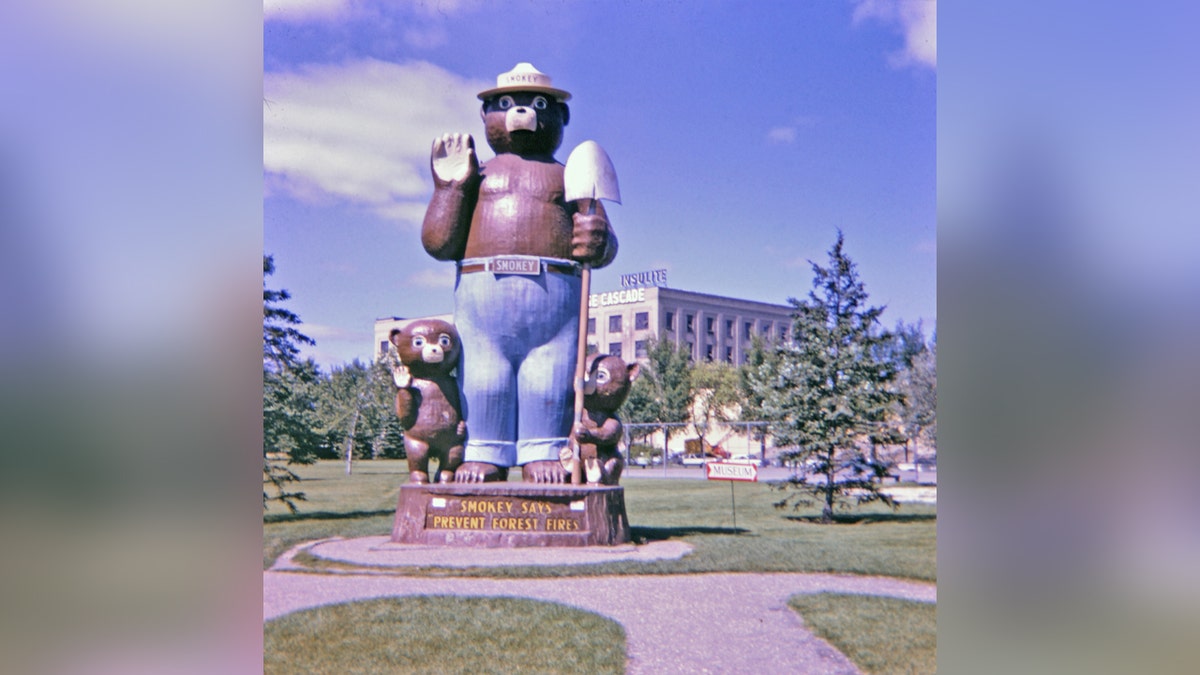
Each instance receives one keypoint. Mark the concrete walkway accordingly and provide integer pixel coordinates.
(686, 623)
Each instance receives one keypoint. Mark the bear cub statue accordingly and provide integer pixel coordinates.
(607, 386)
(427, 400)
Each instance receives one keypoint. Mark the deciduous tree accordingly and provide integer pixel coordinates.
(662, 394)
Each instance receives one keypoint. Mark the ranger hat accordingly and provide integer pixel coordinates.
(524, 77)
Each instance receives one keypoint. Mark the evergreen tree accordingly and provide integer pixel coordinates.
(288, 399)
(827, 392)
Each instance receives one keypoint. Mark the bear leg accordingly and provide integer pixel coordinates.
(418, 460)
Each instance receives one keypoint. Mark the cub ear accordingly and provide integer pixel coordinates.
(634, 369)
(393, 337)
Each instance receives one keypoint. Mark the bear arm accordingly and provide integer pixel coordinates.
(406, 408)
(580, 241)
(448, 219)
(610, 251)
(607, 433)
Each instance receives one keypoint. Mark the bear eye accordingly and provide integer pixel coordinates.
(418, 341)
(444, 341)
(540, 102)
(506, 102)
(602, 376)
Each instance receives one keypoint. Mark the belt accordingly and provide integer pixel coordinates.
(519, 265)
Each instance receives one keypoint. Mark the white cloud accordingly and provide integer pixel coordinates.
(782, 135)
(321, 332)
(443, 277)
(361, 131)
(917, 19)
(304, 10)
(426, 38)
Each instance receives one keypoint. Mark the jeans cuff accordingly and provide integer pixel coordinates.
(537, 449)
(499, 453)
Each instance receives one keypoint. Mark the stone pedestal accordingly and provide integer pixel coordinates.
(507, 515)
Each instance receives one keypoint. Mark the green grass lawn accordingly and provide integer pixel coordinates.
(423, 634)
(870, 540)
(882, 636)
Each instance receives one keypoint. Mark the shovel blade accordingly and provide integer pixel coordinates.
(589, 174)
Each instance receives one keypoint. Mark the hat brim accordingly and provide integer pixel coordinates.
(556, 93)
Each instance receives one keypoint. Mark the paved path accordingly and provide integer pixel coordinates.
(688, 623)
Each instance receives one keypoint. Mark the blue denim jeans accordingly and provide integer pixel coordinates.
(519, 344)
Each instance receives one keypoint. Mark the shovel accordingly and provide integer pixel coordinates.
(588, 174)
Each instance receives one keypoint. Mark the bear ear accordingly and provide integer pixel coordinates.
(634, 369)
(566, 113)
(392, 336)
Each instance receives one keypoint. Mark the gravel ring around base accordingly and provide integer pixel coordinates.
(379, 552)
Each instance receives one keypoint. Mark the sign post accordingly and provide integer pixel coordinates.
(732, 472)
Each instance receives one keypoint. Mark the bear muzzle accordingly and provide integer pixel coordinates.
(432, 353)
(520, 118)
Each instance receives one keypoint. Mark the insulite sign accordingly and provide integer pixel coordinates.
(648, 278)
(732, 471)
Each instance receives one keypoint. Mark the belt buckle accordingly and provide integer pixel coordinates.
(515, 265)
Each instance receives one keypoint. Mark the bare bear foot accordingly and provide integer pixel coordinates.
(545, 471)
(480, 472)
(418, 477)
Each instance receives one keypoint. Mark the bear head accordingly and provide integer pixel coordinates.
(612, 380)
(528, 124)
(428, 347)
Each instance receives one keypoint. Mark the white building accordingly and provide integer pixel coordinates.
(709, 327)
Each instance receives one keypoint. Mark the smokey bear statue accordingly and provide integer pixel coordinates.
(427, 399)
(519, 247)
(608, 384)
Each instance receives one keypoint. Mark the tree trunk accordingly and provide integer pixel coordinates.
(827, 511)
(350, 441)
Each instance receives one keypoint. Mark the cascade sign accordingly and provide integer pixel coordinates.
(649, 278)
(732, 471)
(616, 298)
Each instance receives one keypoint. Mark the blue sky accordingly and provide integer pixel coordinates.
(744, 136)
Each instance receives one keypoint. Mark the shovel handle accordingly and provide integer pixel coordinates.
(580, 364)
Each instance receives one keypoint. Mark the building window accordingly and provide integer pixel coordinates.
(639, 349)
(746, 327)
(383, 346)
(670, 321)
(688, 326)
(708, 352)
(766, 330)
(614, 323)
(592, 348)
(614, 349)
(592, 325)
(710, 326)
(729, 329)
(641, 321)
(729, 355)
(687, 349)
